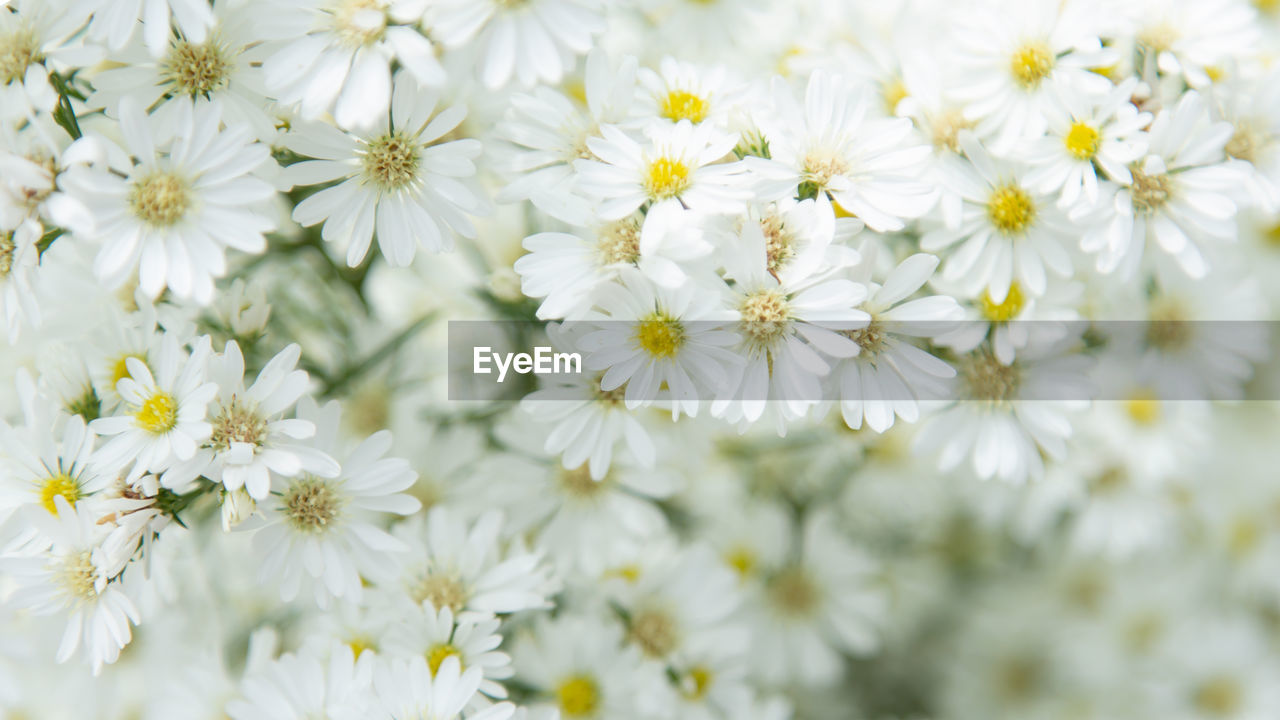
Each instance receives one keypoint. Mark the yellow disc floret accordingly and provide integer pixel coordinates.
(160, 198)
(1005, 311)
(55, 485)
(578, 696)
(1011, 209)
(660, 336)
(666, 178)
(1031, 63)
(158, 414)
(1082, 141)
(683, 105)
(439, 653)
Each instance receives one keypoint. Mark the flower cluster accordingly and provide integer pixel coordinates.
(911, 335)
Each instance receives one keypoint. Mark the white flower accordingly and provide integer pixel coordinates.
(683, 91)
(77, 575)
(1253, 109)
(1090, 132)
(19, 257)
(251, 436)
(1020, 320)
(1191, 38)
(170, 205)
(437, 635)
(548, 132)
(38, 37)
(889, 373)
(655, 337)
(1011, 57)
(463, 567)
(114, 23)
(400, 180)
(307, 684)
(1004, 229)
(533, 40)
(336, 55)
(1178, 197)
(164, 413)
(411, 689)
(47, 457)
(679, 164)
(324, 532)
(828, 146)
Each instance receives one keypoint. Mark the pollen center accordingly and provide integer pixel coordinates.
(794, 593)
(1011, 209)
(360, 22)
(666, 178)
(1031, 64)
(442, 590)
(578, 696)
(1005, 311)
(391, 162)
(578, 482)
(1219, 697)
(683, 105)
(439, 654)
(197, 69)
(990, 380)
(238, 423)
(311, 505)
(55, 485)
(19, 50)
(660, 336)
(765, 315)
(78, 576)
(870, 339)
(619, 242)
(158, 414)
(779, 243)
(8, 248)
(1149, 192)
(160, 198)
(1082, 141)
(655, 632)
(1143, 408)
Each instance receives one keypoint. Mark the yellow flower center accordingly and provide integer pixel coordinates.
(443, 590)
(158, 414)
(742, 560)
(360, 644)
(660, 336)
(578, 696)
(666, 178)
(391, 162)
(55, 485)
(893, 92)
(1220, 696)
(1082, 141)
(439, 653)
(19, 50)
(311, 505)
(1005, 311)
(1011, 209)
(160, 198)
(1143, 408)
(698, 683)
(120, 368)
(1031, 64)
(683, 105)
(197, 69)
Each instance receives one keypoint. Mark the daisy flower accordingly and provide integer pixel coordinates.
(1010, 60)
(576, 666)
(1021, 320)
(114, 23)
(1005, 230)
(1253, 109)
(1090, 133)
(536, 41)
(19, 257)
(889, 373)
(828, 146)
(163, 419)
(1177, 197)
(1191, 39)
(308, 684)
(684, 91)
(464, 567)
(412, 689)
(251, 436)
(325, 531)
(547, 132)
(1009, 417)
(221, 67)
(402, 180)
(78, 576)
(337, 55)
(799, 237)
(38, 37)
(437, 635)
(823, 601)
(179, 199)
(32, 167)
(680, 163)
(655, 337)
(47, 457)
